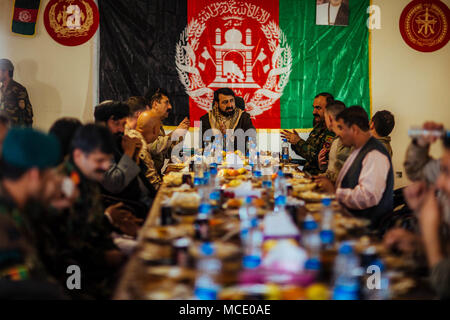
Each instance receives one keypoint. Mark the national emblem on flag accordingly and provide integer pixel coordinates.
(25, 16)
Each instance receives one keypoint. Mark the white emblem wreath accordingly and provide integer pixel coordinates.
(263, 98)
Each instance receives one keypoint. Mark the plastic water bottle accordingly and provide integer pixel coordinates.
(253, 246)
(346, 274)
(310, 237)
(247, 213)
(198, 170)
(280, 204)
(284, 152)
(252, 152)
(248, 147)
(279, 185)
(326, 233)
(208, 268)
(257, 173)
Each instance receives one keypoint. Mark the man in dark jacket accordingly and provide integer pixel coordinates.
(226, 119)
(365, 183)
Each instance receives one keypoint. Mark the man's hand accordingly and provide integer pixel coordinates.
(181, 130)
(131, 146)
(58, 190)
(292, 137)
(430, 220)
(415, 194)
(185, 124)
(426, 140)
(324, 184)
(123, 219)
(401, 239)
(323, 162)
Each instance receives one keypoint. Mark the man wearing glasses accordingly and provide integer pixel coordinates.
(319, 136)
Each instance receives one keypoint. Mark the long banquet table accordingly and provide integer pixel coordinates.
(136, 282)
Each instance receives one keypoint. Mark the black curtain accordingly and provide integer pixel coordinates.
(137, 50)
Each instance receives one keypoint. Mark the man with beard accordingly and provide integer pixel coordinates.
(161, 148)
(228, 120)
(85, 229)
(332, 13)
(310, 149)
(27, 185)
(125, 179)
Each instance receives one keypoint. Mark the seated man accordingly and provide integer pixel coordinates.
(161, 148)
(126, 178)
(366, 181)
(28, 186)
(226, 118)
(309, 149)
(432, 222)
(85, 228)
(64, 129)
(137, 105)
(429, 197)
(337, 153)
(147, 130)
(381, 126)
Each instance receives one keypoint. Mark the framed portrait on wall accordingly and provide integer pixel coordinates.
(332, 12)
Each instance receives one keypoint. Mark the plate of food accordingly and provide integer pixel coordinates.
(313, 196)
(185, 202)
(295, 181)
(169, 233)
(297, 189)
(174, 179)
(222, 250)
(317, 206)
(172, 272)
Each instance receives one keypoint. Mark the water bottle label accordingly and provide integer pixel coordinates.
(267, 184)
(257, 174)
(206, 293)
(215, 195)
(285, 157)
(327, 236)
(198, 181)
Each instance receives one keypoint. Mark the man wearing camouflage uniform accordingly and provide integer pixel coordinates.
(14, 100)
(319, 137)
(27, 187)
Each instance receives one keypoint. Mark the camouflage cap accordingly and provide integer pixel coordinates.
(6, 64)
(28, 148)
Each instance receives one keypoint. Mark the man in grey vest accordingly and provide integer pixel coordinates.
(366, 182)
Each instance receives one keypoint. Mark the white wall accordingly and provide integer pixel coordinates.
(412, 85)
(58, 78)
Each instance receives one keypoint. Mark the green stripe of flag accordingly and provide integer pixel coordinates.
(333, 59)
(24, 28)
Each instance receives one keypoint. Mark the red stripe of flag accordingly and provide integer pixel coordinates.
(25, 15)
(206, 60)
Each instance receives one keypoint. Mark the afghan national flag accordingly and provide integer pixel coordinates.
(25, 17)
(271, 52)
